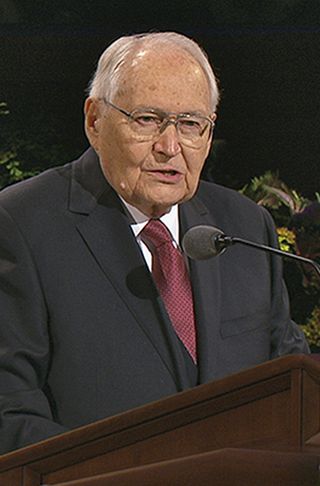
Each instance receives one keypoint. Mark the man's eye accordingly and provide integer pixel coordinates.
(189, 124)
(147, 120)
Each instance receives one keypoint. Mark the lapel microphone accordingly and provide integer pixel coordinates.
(203, 242)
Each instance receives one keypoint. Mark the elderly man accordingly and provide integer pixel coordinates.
(100, 310)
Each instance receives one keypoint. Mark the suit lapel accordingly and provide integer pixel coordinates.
(205, 278)
(105, 229)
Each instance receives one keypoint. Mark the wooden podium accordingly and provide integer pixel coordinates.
(260, 426)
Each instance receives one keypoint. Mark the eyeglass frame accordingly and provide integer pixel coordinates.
(166, 117)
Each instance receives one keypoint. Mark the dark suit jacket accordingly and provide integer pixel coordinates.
(83, 332)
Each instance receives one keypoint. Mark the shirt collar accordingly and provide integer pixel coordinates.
(170, 219)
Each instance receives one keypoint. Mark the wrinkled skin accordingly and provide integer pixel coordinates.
(151, 175)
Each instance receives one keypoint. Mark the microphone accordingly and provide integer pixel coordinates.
(203, 242)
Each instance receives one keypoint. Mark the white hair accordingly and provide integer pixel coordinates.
(107, 78)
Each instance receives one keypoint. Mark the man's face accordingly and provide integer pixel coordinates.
(155, 174)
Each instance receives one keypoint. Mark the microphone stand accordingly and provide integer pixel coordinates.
(223, 241)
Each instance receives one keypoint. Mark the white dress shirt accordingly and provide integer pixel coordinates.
(170, 219)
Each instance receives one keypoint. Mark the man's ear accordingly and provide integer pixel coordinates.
(92, 120)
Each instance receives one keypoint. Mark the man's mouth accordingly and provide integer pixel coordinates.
(169, 172)
(166, 175)
(165, 170)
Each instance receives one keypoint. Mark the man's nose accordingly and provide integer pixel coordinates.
(168, 142)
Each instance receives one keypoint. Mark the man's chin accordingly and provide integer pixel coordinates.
(156, 208)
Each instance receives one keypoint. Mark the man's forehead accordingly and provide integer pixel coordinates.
(176, 57)
(149, 72)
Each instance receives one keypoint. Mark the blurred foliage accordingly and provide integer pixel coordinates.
(26, 148)
(11, 169)
(271, 192)
(311, 327)
(298, 225)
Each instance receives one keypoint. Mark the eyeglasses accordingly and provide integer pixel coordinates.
(148, 124)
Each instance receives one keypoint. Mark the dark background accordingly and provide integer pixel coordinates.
(266, 55)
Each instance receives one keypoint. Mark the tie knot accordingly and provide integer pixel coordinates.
(156, 233)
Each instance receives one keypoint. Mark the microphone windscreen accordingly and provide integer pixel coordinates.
(199, 242)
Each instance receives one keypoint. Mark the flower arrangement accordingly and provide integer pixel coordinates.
(298, 225)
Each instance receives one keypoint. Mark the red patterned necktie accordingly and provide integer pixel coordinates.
(172, 279)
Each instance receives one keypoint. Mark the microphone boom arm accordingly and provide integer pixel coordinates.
(224, 241)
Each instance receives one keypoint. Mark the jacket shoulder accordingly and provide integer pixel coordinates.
(235, 213)
(216, 195)
(37, 188)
